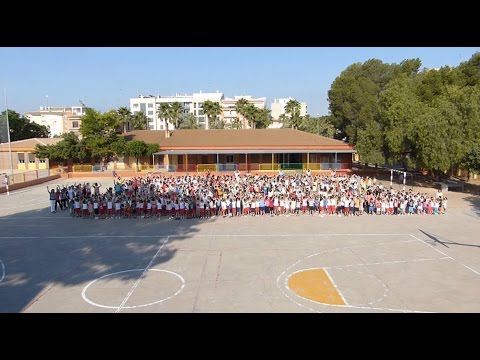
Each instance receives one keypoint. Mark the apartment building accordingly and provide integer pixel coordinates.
(229, 112)
(58, 119)
(278, 108)
(191, 104)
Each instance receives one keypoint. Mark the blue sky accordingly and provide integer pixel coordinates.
(106, 78)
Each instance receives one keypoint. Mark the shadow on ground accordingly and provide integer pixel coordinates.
(445, 242)
(40, 250)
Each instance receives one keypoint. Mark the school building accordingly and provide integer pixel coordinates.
(248, 150)
(23, 157)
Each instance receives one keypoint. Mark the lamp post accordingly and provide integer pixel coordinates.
(46, 96)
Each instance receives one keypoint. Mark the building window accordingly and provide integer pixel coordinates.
(200, 112)
(150, 127)
(229, 158)
(21, 158)
(75, 124)
(135, 106)
(31, 161)
(160, 127)
(150, 105)
(150, 112)
(41, 161)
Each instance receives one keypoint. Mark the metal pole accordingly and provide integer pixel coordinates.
(404, 179)
(391, 177)
(8, 135)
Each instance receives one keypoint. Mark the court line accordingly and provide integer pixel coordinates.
(385, 291)
(181, 236)
(3, 271)
(386, 262)
(336, 287)
(341, 306)
(84, 291)
(450, 257)
(27, 205)
(142, 275)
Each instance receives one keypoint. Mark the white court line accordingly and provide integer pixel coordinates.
(142, 275)
(386, 262)
(84, 291)
(341, 306)
(176, 236)
(385, 291)
(3, 271)
(336, 287)
(448, 256)
(27, 205)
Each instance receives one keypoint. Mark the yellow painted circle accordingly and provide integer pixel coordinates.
(316, 285)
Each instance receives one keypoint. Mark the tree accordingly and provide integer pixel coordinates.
(136, 149)
(165, 112)
(190, 122)
(70, 149)
(285, 120)
(152, 148)
(176, 110)
(258, 118)
(212, 110)
(99, 131)
(125, 116)
(250, 113)
(292, 108)
(139, 121)
(20, 127)
(236, 124)
(471, 160)
(240, 106)
(322, 125)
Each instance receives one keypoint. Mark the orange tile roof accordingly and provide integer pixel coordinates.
(29, 143)
(237, 139)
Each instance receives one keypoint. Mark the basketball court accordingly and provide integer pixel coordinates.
(55, 263)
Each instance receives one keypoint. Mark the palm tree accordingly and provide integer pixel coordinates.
(125, 116)
(139, 121)
(190, 122)
(250, 113)
(263, 118)
(293, 109)
(212, 110)
(165, 112)
(236, 124)
(284, 120)
(240, 109)
(176, 112)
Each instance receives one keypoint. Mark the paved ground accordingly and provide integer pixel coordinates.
(54, 263)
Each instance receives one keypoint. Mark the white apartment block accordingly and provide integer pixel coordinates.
(191, 104)
(278, 108)
(229, 112)
(58, 119)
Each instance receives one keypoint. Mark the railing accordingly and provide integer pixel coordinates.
(26, 176)
(186, 168)
(227, 167)
(206, 167)
(291, 166)
(82, 168)
(268, 167)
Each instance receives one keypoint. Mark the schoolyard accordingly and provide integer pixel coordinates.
(55, 263)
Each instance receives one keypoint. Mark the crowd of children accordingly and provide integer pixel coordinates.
(207, 195)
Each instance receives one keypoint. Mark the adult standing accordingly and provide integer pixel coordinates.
(52, 199)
